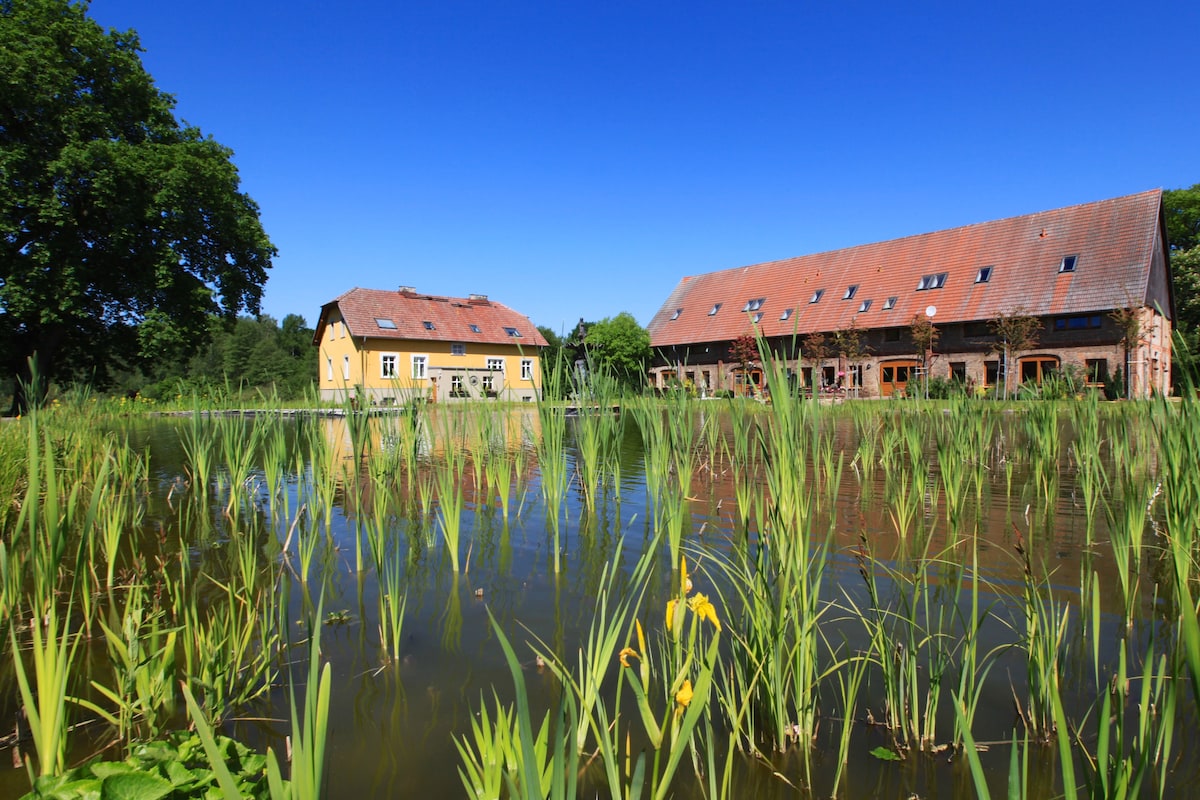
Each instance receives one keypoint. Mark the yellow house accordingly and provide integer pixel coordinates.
(391, 346)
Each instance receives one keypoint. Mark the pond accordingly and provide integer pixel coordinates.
(875, 592)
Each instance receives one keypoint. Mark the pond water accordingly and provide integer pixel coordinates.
(394, 723)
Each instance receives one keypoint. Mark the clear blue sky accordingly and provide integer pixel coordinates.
(576, 159)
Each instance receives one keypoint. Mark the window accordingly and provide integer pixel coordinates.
(346, 368)
(1037, 368)
(456, 386)
(385, 323)
(419, 363)
(428, 325)
(851, 290)
(678, 311)
(1068, 263)
(864, 306)
(526, 369)
(1078, 322)
(712, 311)
(991, 373)
(787, 313)
(329, 369)
(958, 371)
(984, 275)
(387, 365)
(458, 349)
(856, 375)
(935, 281)
(757, 318)
(890, 303)
(495, 364)
(489, 387)
(513, 332)
(474, 328)
(816, 296)
(1097, 371)
(755, 304)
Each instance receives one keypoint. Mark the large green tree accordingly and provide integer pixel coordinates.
(122, 232)
(621, 346)
(1181, 208)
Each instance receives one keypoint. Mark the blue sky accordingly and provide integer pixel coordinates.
(576, 159)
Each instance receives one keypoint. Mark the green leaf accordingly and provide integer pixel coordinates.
(134, 786)
(884, 754)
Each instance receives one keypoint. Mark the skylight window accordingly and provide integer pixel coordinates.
(755, 304)
(757, 318)
(890, 303)
(851, 290)
(866, 305)
(516, 334)
(935, 281)
(1068, 264)
(474, 328)
(817, 295)
(713, 311)
(678, 311)
(787, 313)
(985, 275)
(428, 325)
(385, 323)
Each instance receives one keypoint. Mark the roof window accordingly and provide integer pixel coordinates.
(787, 313)
(385, 323)
(757, 318)
(934, 281)
(429, 326)
(513, 332)
(474, 328)
(1068, 264)
(866, 305)
(890, 303)
(755, 304)
(851, 290)
(817, 295)
(985, 275)
(678, 311)
(712, 311)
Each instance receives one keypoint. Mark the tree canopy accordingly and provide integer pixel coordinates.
(621, 346)
(122, 232)
(1181, 207)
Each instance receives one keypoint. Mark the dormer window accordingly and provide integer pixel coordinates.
(851, 290)
(787, 313)
(385, 323)
(1067, 264)
(935, 281)
(866, 305)
(816, 296)
(755, 304)
(428, 325)
(985, 275)
(678, 311)
(890, 303)
(712, 312)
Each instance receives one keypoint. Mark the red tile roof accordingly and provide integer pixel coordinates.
(451, 317)
(1114, 241)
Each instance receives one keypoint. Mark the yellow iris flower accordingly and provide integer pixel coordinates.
(704, 609)
(684, 695)
(627, 654)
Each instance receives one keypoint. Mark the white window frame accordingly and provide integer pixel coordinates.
(384, 360)
(346, 368)
(328, 368)
(526, 369)
(420, 367)
(488, 384)
(495, 364)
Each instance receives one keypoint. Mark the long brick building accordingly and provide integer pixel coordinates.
(1096, 277)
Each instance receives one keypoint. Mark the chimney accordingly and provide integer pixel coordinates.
(407, 290)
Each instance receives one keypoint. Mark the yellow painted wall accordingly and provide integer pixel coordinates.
(365, 367)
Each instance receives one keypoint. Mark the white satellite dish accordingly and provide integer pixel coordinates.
(930, 311)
